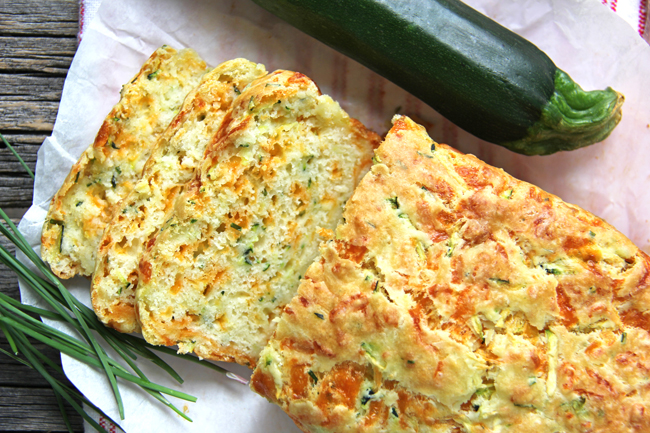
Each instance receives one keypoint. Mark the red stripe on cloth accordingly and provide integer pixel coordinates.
(643, 15)
(107, 424)
(82, 11)
(613, 5)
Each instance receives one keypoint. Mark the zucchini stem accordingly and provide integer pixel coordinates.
(572, 118)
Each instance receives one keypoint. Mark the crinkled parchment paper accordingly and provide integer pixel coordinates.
(597, 48)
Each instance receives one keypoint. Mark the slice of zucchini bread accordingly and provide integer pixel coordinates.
(456, 298)
(108, 169)
(178, 152)
(246, 227)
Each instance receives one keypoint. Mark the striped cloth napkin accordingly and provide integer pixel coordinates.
(634, 12)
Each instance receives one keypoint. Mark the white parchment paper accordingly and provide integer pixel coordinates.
(597, 48)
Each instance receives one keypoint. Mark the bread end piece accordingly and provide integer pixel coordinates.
(457, 298)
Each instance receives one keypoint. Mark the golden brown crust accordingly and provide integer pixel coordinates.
(108, 169)
(472, 302)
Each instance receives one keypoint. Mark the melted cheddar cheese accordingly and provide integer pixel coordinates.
(145, 209)
(456, 298)
(244, 230)
(110, 167)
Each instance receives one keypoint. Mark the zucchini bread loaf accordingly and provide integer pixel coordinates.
(108, 169)
(245, 228)
(178, 152)
(456, 298)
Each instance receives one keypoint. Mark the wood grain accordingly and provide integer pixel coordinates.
(33, 410)
(45, 18)
(13, 373)
(38, 40)
(35, 54)
(8, 280)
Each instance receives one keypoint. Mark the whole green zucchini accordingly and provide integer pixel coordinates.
(475, 72)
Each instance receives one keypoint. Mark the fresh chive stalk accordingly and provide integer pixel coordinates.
(17, 322)
(10, 147)
(61, 391)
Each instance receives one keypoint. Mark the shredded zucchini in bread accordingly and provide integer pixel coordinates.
(108, 169)
(246, 227)
(456, 298)
(178, 152)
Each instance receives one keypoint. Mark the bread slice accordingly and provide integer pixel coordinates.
(246, 227)
(109, 168)
(456, 298)
(179, 151)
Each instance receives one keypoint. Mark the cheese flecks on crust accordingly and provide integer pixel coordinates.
(244, 230)
(456, 298)
(178, 152)
(109, 168)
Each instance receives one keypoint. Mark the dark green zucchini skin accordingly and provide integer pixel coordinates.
(475, 72)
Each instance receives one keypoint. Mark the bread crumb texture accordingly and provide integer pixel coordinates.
(245, 228)
(179, 151)
(456, 298)
(110, 167)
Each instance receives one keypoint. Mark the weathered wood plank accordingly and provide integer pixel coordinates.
(14, 91)
(36, 54)
(8, 280)
(26, 402)
(33, 409)
(37, 44)
(8, 283)
(21, 139)
(15, 374)
(29, 87)
(15, 191)
(37, 116)
(27, 147)
(50, 18)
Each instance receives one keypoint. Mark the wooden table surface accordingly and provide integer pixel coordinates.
(37, 42)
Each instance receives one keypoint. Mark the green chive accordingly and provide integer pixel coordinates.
(16, 323)
(499, 281)
(17, 156)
